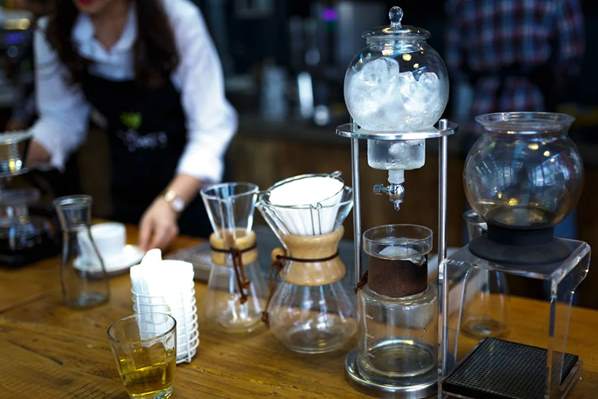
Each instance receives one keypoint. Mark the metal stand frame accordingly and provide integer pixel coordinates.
(352, 131)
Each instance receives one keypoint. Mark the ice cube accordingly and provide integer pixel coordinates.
(371, 90)
(398, 252)
(404, 253)
(429, 81)
(423, 100)
(407, 83)
(382, 98)
(379, 72)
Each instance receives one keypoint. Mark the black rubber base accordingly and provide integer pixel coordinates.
(499, 369)
(520, 247)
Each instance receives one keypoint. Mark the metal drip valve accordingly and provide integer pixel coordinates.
(395, 190)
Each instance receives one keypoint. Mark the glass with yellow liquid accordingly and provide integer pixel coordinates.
(144, 347)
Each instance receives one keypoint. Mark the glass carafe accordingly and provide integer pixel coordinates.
(236, 288)
(310, 310)
(83, 276)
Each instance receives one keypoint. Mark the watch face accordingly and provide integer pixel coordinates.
(178, 204)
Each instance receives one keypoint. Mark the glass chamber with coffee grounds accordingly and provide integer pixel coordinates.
(398, 312)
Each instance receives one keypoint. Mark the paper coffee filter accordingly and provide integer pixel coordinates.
(305, 205)
(307, 221)
(307, 191)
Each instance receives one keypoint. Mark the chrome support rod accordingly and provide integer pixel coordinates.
(442, 194)
(442, 275)
(356, 207)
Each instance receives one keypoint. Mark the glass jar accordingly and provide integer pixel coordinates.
(398, 82)
(398, 312)
(524, 171)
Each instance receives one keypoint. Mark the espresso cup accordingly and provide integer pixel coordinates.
(110, 239)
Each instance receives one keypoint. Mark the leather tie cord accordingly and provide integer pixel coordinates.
(277, 266)
(237, 256)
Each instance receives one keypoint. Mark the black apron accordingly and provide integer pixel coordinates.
(147, 135)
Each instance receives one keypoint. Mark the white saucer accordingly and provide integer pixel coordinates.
(130, 255)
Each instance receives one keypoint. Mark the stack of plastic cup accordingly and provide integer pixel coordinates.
(167, 286)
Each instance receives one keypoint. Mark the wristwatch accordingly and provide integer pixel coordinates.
(174, 200)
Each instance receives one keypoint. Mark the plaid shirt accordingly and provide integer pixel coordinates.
(499, 44)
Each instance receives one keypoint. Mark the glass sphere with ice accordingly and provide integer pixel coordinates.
(398, 82)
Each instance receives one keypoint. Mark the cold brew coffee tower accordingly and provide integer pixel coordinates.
(396, 90)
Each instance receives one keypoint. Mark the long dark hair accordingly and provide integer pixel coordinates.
(155, 50)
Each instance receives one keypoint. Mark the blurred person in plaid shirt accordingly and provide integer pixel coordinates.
(517, 55)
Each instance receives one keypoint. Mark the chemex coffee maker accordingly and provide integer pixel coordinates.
(396, 90)
(309, 310)
(523, 176)
(24, 238)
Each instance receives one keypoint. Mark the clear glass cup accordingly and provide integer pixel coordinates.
(486, 313)
(83, 277)
(144, 347)
(398, 309)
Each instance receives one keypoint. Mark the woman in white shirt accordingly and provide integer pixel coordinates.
(148, 72)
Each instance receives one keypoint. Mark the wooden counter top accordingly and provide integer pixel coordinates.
(50, 351)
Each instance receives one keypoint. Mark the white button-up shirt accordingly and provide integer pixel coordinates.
(211, 121)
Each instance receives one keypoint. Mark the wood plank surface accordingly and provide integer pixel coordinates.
(50, 351)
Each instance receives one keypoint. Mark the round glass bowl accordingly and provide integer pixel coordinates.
(397, 82)
(524, 172)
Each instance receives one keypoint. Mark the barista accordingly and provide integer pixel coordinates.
(148, 73)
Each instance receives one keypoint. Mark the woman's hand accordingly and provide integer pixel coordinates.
(159, 222)
(158, 226)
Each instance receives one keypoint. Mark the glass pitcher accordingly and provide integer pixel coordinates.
(236, 287)
(83, 275)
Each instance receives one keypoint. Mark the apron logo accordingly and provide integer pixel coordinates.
(149, 141)
(132, 120)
